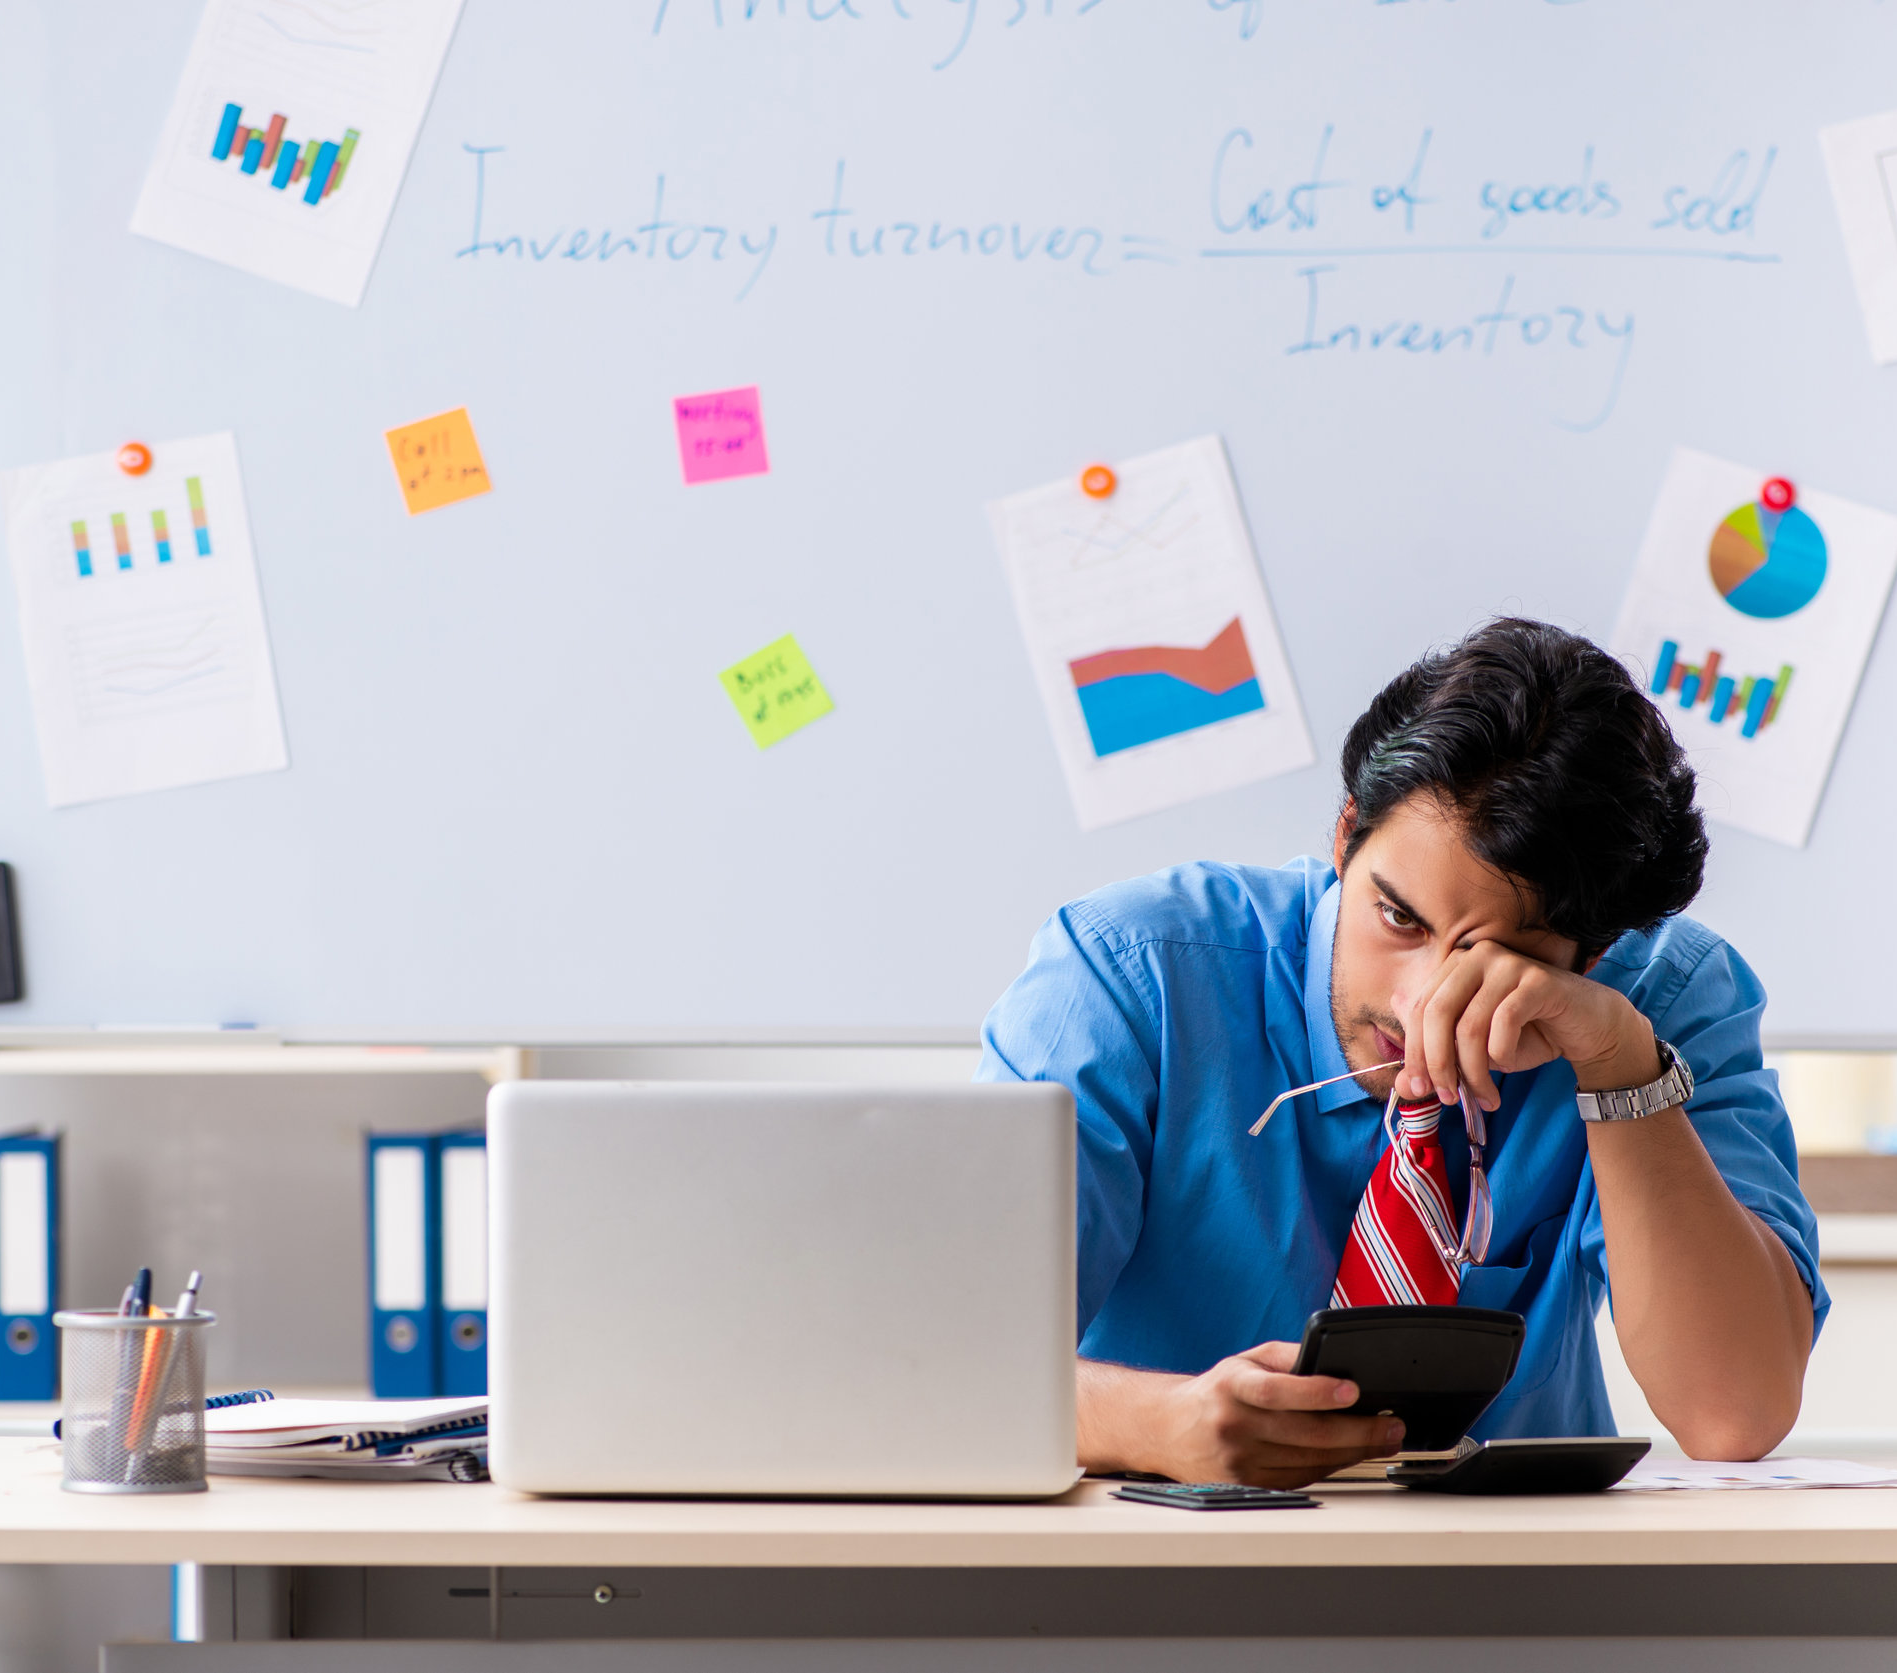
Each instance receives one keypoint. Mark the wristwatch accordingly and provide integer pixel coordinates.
(1674, 1086)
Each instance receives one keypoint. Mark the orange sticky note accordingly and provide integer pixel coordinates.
(438, 461)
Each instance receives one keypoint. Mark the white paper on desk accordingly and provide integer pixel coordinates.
(148, 671)
(1154, 645)
(1803, 617)
(1861, 158)
(1654, 1475)
(330, 69)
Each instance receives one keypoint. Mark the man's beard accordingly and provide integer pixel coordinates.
(1359, 1058)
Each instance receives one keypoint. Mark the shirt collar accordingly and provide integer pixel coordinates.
(1327, 1051)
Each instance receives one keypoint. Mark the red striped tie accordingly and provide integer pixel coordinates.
(1391, 1259)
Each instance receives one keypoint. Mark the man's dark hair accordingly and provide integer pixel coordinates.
(1561, 773)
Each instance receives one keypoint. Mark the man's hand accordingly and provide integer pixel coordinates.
(1247, 1420)
(1488, 1008)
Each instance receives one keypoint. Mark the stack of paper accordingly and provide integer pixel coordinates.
(1654, 1475)
(350, 1440)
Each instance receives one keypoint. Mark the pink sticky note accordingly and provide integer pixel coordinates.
(721, 435)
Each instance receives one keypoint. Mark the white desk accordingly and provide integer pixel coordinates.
(419, 1560)
(441, 1524)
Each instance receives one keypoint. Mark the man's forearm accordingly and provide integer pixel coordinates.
(1113, 1414)
(1711, 1314)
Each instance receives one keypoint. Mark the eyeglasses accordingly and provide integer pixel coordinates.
(1479, 1223)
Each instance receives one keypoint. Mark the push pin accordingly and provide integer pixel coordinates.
(134, 458)
(1778, 495)
(1097, 482)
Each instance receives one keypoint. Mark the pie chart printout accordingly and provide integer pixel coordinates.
(1767, 563)
(1139, 696)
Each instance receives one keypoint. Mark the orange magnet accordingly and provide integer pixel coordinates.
(1778, 494)
(135, 458)
(1097, 482)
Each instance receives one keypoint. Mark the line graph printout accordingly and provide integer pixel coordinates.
(1153, 643)
(290, 133)
(146, 651)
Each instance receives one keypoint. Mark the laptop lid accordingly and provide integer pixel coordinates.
(782, 1289)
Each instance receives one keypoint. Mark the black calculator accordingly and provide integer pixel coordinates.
(1213, 1495)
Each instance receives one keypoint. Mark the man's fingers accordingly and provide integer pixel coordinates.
(1317, 1432)
(1413, 1080)
(1462, 981)
(1274, 1356)
(1472, 1036)
(1274, 1391)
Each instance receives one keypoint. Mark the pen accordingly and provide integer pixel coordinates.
(160, 1349)
(132, 1306)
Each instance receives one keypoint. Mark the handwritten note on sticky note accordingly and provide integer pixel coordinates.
(438, 461)
(721, 435)
(777, 692)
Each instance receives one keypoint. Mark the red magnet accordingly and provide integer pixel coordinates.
(134, 458)
(1778, 494)
(1097, 482)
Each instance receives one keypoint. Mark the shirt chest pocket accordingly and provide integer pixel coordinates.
(1518, 1289)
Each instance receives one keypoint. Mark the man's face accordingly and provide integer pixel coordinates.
(1413, 896)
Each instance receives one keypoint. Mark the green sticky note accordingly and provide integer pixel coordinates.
(776, 691)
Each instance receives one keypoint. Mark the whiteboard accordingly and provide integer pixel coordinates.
(962, 247)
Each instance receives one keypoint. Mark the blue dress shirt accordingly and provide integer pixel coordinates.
(1176, 1006)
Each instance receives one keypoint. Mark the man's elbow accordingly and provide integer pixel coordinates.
(1741, 1434)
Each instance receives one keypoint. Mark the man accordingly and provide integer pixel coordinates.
(1500, 913)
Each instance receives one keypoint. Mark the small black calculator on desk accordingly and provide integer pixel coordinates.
(1212, 1495)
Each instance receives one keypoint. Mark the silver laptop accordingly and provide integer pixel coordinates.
(781, 1289)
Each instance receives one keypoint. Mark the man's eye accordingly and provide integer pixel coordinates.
(1395, 916)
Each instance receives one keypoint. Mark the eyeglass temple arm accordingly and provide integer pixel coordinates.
(1271, 1108)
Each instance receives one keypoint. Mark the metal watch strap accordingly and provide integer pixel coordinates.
(1674, 1086)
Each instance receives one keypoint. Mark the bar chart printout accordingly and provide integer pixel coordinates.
(1755, 700)
(1749, 630)
(289, 134)
(150, 669)
(1154, 645)
(317, 165)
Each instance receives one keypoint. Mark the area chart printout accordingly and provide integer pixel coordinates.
(1749, 622)
(146, 651)
(1154, 645)
(290, 133)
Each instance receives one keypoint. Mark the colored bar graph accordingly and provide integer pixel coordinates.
(121, 540)
(1755, 710)
(348, 150)
(1755, 700)
(200, 524)
(226, 133)
(82, 547)
(161, 534)
(319, 171)
(1779, 686)
(1663, 669)
(317, 165)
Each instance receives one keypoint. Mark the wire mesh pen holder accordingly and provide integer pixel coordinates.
(133, 1418)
